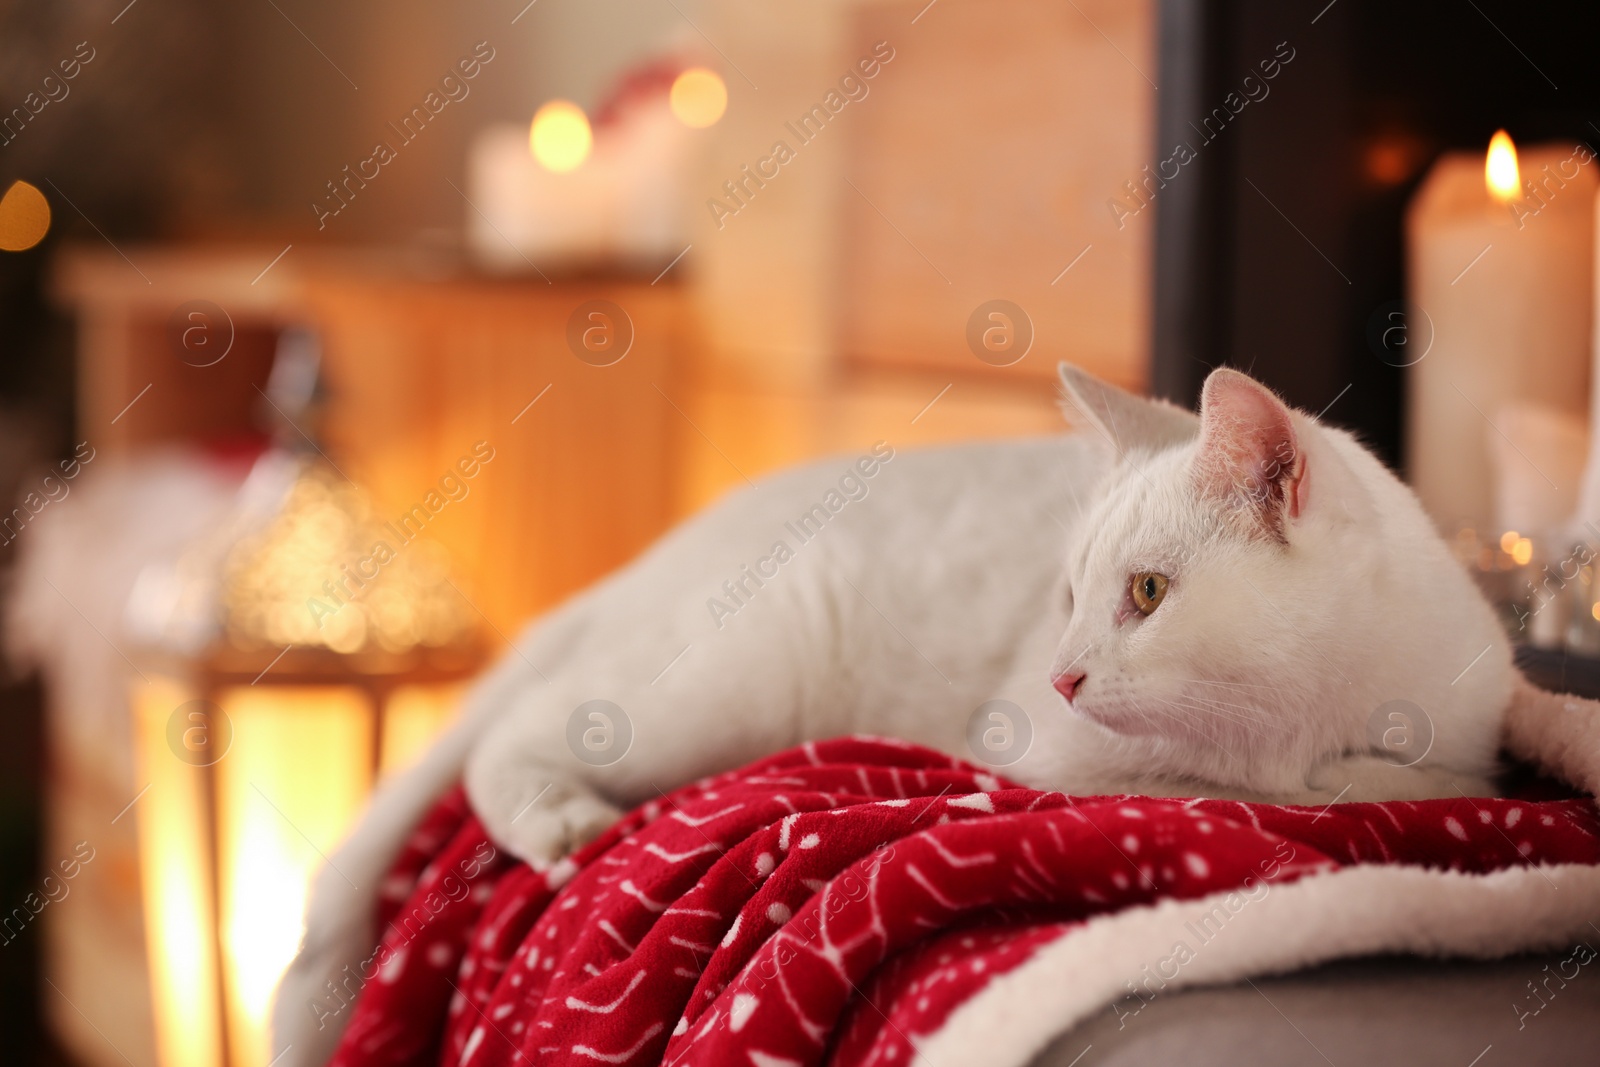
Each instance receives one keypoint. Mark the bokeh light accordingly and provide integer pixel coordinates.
(24, 217)
(699, 97)
(560, 136)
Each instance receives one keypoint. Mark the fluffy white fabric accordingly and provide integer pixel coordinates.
(1356, 911)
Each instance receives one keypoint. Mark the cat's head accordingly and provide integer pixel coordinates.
(1251, 588)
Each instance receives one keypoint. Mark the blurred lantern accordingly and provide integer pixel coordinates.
(335, 668)
(327, 574)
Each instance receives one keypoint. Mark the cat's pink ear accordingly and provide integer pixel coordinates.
(1250, 457)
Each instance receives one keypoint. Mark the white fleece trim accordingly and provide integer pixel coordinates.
(1353, 911)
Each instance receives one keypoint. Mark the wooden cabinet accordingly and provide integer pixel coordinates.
(420, 370)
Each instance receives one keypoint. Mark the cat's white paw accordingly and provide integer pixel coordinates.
(546, 831)
(531, 809)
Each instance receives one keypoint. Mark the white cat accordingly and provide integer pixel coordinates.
(1229, 601)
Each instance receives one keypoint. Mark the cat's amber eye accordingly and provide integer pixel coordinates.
(1148, 590)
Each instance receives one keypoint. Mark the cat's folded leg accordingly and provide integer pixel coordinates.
(607, 733)
(1368, 777)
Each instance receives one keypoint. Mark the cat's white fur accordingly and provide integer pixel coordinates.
(1307, 589)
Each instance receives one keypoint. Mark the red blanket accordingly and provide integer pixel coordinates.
(839, 903)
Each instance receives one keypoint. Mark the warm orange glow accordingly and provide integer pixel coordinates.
(412, 717)
(289, 789)
(1500, 168)
(1522, 551)
(1508, 541)
(289, 785)
(699, 97)
(560, 136)
(175, 880)
(24, 217)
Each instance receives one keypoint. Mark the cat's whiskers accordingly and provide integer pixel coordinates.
(1144, 713)
(1220, 710)
(1190, 723)
(1262, 726)
(1233, 685)
(1255, 713)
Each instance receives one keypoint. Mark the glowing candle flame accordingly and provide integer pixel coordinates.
(1500, 168)
(560, 136)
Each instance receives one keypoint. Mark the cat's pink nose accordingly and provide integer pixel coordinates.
(1067, 683)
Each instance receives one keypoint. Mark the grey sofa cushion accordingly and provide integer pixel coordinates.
(1377, 1012)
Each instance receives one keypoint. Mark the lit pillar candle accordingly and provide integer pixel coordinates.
(1587, 520)
(1500, 263)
